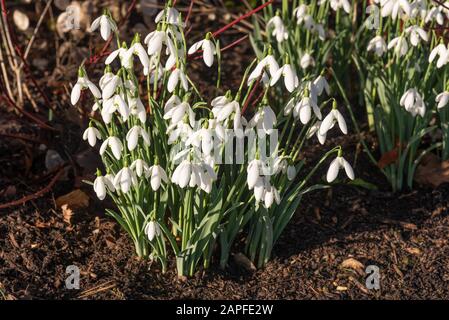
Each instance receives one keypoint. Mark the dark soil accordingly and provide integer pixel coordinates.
(404, 234)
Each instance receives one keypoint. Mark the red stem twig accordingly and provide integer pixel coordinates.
(35, 195)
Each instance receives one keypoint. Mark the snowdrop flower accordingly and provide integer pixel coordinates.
(222, 108)
(333, 117)
(413, 103)
(442, 99)
(253, 173)
(400, 45)
(442, 52)
(182, 173)
(171, 16)
(320, 84)
(378, 45)
(395, 8)
(152, 230)
(337, 4)
(109, 85)
(138, 50)
(112, 105)
(115, 144)
(270, 62)
(156, 174)
(264, 120)
(82, 83)
(291, 80)
(106, 24)
(307, 61)
(155, 41)
(175, 77)
(125, 179)
(123, 55)
(132, 137)
(291, 172)
(140, 166)
(271, 195)
(303, 108)
(416, 34)
(319, 29)
(91, 134)
(208, 47)
(136, 108)
(418, 9)
(435, 13)
(175, 111)
(302, 16)
(179, 130)
(335, 167)
(315, 130)
(279, 31)
(101, 184)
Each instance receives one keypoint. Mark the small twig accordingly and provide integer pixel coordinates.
(251, 95)
(35, 195)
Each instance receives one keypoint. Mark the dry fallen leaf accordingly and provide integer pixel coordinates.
(353, 264)
(76, 199)
(241, 260)
(413, 251)
(342, 288)
(67, 213)
(432, 171)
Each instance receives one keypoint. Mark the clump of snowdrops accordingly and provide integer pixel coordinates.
(398, 48)
(403, 60)
(191, 174)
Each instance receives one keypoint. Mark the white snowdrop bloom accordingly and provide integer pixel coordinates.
(416, 35)
(302, 16)
(291, 173)
(175, 77)
(132, 137)
(170, 15)
(435, 13)
(253, 173)
(105, 78)
(418, 9)
(175, 111)
(136, 108)
(138, 50)
(303, 109)
(337, 4)
(123, 55)
(106, 24)
(202, 139)
(112, 105)
(412, 102)
(400, 45)
(156, 174)
(268, 62)
(318, 28)
(279, 30)
(209, 50)
(115, 144)
(333, 117)
(182, 173)
(223, 108)
(91, 134)
(291, 80)
(180, 130)
(125, 179)
(442, 99)
(264, 121)
(83, 83)
(97, 105)
(101, 184)
(140, 167)
(320, 84)
(442, 52)
(152, 230)
(156, 40)
(207, 177)
(307, 61)
(335, 167)
(315, 130)
(110, 85)
(377, 45)
(395, 8)
(271, 195)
